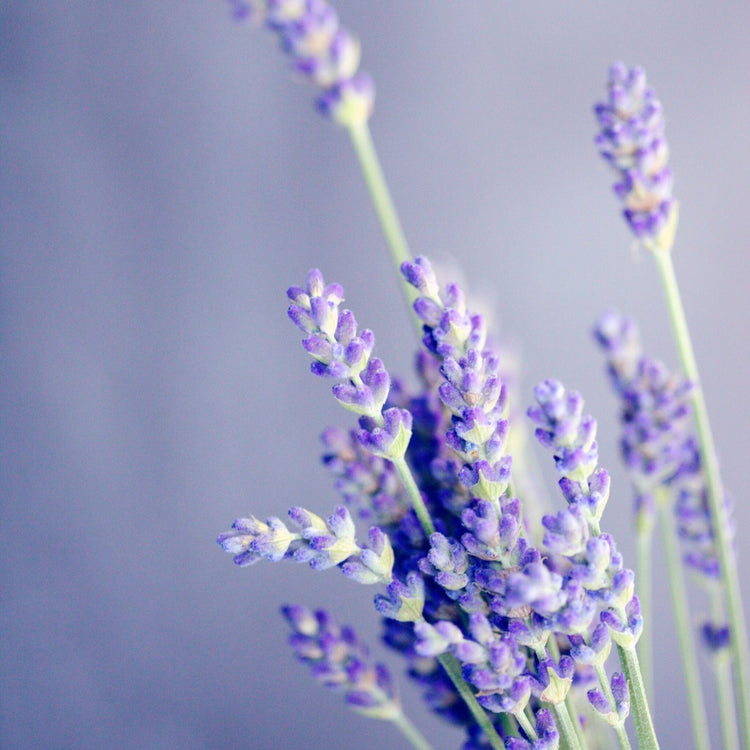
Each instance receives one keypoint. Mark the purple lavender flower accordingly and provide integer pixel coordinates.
(321, 543)
(340, 661)
(472, 390)
(614, 715)
(596, 579)
(658, 446)
(404, 601)
(492, 661)
(342, 353)
(632, 141)
(322, 51)
(655, 403)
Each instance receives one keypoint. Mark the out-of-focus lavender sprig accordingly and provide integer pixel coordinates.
(664, 463)
(367, 482)
(657, 442)
(322, 51)
(339, 660)
(632, 141)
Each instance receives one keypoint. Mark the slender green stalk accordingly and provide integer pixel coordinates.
(412, 734)
(729, 735)
(453, 670)
(727, 560)
(382, 202)
(681, 607)
(568, 734)
(644, 725)
(415, 496)
(526, 725)
(644, 548)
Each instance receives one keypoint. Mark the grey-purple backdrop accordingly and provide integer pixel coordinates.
(163, 181)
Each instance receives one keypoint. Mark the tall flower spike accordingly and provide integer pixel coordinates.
(322, 51)
(632, 141)
(472, 390)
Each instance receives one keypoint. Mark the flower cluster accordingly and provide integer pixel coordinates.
(524, 625)
(660, 449)
(322, 51)
(508, 619)
(632, 141)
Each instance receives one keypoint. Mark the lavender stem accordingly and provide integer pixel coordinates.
(411, 733)
(720, 522)
(644, 549)
(681, 609)
(644, 725)
(382, 202)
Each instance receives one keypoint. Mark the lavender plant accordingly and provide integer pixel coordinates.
(526, 633)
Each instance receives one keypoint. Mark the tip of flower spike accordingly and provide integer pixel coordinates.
(349, 102)
(631, 140)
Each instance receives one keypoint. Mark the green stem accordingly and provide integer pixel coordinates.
(412, 734)
(681, 607)
(453, 670)
(644, 725)
(644, 548)
(382, 202)
(720, 522)
(527, 726)
(415, 496)
(568, 735)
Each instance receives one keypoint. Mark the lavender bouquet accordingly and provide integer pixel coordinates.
(516, 615)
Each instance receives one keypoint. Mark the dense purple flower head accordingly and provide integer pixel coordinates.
(322, 51)
(631, 140)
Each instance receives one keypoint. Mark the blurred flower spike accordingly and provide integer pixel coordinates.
(322, 51)
(632, 140)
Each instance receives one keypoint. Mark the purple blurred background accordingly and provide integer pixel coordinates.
(163, 181)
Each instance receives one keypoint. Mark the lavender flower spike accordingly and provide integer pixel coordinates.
(322, 51)
(343, 353)
(321, 543)
(340, 661)
(632, 141)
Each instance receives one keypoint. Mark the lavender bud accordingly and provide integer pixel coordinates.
(404, 601)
